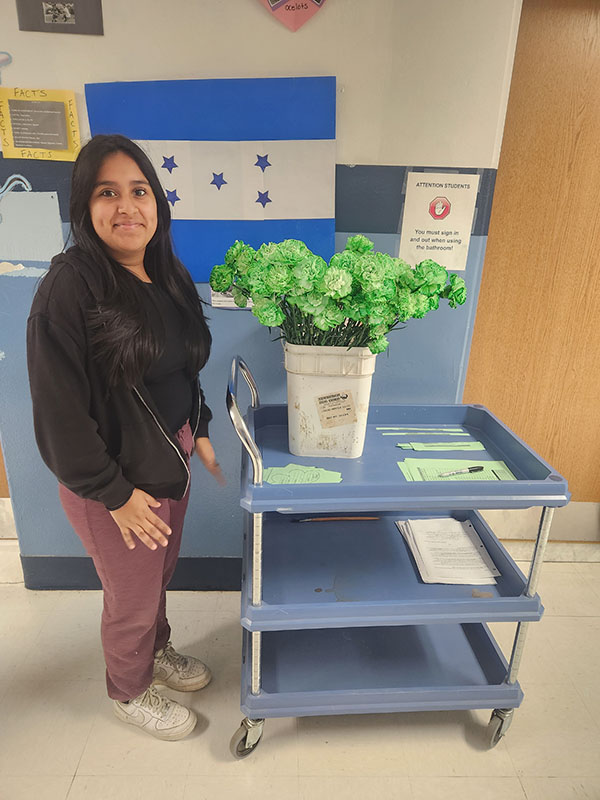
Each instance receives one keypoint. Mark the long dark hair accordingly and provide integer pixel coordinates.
(122, 339)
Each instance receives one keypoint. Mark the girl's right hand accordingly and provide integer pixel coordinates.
(137, 518)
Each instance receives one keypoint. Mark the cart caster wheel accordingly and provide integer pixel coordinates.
(245, 740)
(498, 725)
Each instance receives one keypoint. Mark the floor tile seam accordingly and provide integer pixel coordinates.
(548, 614)
(118, 775)
(566, 578)
(523, 789)
(39, 681)
(581, 775)
(70, 787)
(85, 744)
(34, 775)
(468, 777)
(580, 566)
(343, 773)
(216, 773)
(509, 754)
(595, 721)
(463, 775)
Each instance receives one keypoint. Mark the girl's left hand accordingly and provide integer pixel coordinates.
(206, 454)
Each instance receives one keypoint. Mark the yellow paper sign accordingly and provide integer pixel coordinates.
(39, 124)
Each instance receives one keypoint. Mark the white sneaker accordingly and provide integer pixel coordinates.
(157, 715)
(183, 673)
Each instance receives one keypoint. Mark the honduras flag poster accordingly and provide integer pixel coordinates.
(249, 159)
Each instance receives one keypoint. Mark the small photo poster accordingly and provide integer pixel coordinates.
(78, 16)
(39, 124)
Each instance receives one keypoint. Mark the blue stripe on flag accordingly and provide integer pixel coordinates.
(215, 110)
(200, 244)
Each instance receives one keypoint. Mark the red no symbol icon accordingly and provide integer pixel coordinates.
(439, 208)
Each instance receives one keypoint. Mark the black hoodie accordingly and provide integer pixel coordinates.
(99, 443)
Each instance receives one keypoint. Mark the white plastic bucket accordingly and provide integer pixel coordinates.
(328, 390)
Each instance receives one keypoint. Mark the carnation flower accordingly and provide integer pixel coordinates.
(404, 303)
(456, 292)
(372, 275)
(378, 345)
(312, 303)
(268, 312)
(345, 260)
(257, 279)
(279, 278)
(292, 251)
(239, 298)
(221, 278)
(329, 317)
(421, 305)
(245, 259)
(359, 244)
(336, 283)
(233, 252)
(400, 268)
(429, 277)
(308, 271)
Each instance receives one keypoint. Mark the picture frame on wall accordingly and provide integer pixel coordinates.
(76, 16)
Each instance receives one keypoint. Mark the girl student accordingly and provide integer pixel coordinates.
(115, 340)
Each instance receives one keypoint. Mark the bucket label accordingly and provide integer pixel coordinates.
(336, 409)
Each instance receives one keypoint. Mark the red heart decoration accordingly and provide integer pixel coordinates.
(293, 13)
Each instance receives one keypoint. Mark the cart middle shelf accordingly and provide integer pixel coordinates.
(337, 574)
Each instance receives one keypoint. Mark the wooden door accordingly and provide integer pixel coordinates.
(535, 355)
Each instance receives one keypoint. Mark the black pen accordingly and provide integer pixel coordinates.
(460, 471)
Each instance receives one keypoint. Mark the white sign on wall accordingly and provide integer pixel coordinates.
(438, 217)
(30, 226)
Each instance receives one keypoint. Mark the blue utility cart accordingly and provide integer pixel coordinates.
(336, 617)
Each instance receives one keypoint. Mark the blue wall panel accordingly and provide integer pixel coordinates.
(426, 362)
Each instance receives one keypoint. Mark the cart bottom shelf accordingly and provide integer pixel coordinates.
(376, 670)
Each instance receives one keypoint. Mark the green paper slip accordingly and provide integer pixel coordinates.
(432, 429)
(297, 473)
(441, 446)
(423, 433)
(429, 469)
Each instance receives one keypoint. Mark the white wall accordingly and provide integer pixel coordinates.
(420, 82)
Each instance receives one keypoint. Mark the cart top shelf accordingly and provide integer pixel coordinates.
(374, 481)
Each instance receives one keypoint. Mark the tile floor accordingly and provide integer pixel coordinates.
(59, 739)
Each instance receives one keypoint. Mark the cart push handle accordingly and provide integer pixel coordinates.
(239, 365)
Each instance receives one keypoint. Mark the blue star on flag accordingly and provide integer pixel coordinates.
(172, 196)
(169, 163)
(263, 162)
(263, 198)
(218, 180)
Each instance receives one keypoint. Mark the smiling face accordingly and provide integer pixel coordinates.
(123, 209)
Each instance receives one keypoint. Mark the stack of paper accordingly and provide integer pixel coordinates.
(448, 551)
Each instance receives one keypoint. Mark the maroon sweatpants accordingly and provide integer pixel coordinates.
(134, 621)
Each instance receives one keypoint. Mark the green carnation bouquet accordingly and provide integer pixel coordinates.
(353, 301)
